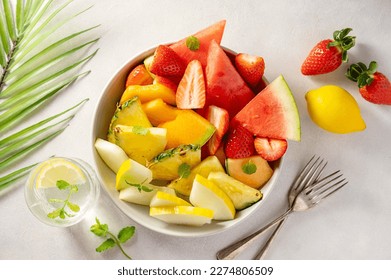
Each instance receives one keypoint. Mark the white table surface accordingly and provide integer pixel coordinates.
(354, 224)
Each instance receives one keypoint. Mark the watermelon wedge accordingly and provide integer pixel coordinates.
(225, 88)
(204, 36)
(272, 113)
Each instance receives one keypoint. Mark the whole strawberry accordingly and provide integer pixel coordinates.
(328, 54)
(373, 85)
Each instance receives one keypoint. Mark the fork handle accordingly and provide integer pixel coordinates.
(230, 252)
(265, 248)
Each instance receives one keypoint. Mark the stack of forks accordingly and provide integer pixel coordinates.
(307, 190)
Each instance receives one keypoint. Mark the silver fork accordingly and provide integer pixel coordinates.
(306, 193)
(301, 181)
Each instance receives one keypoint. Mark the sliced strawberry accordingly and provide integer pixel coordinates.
(219, 117)
(270, 149)
(165, 81)
(251, 68)
(240, 143)
(139, 76)
(167, 63)
(191, 89)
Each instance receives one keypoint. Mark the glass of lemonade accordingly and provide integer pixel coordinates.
(60, 191)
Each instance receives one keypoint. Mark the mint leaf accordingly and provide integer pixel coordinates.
(126, 233)
(192, 43)
(56, 200)
(74, 207)
(140, 187)
(109, 243)
(54, 214)
(62, 185)
(74, 188)
(103, 230)
(60, 212)
(99, 229)
(146, 189)
(184, 170)
(140, 130)
(249, 168)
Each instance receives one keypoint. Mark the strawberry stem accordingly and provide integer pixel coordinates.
(361, 74)
(343, 42)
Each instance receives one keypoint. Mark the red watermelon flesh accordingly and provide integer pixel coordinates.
(272, 113)
(225, 88)
(205, 36)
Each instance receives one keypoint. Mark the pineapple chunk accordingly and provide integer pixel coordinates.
(183, 185)
(129, 113)
(165, 166)
(141, 143)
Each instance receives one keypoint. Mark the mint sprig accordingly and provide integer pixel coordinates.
(249, 168)
(102, 230)
(192, 43)
(61, 212)
(184, 170)
(140, 130)
(139, 186)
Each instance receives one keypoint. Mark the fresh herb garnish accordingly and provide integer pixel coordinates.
(61, 212)
(102, 230)
(140, 130)
(139, 186)
(184, 170)
(249, 168)
(193, 43)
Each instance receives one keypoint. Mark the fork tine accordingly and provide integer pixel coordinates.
(323, 182)
(302, 173)
(319, 169)
(324, 189)
(311, 173)
(336, 189)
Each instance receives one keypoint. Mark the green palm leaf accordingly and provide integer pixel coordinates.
(11, 178)
(30, 76)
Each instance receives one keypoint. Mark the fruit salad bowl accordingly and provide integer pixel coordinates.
(104, 111)
(189, 137)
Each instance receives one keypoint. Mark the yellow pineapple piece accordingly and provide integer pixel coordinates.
(129, 113)
(141, 143)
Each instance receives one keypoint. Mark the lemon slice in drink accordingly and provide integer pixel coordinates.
(56, 169)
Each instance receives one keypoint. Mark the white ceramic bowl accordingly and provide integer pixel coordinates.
(103, 113)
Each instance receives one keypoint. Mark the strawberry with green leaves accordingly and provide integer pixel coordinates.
(328, 55)
(373, 86)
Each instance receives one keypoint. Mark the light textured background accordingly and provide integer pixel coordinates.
(354, 224)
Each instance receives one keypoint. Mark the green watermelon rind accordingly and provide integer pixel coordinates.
(293, 114)
(255, 122)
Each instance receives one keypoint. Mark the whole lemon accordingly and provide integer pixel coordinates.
(334, 109)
